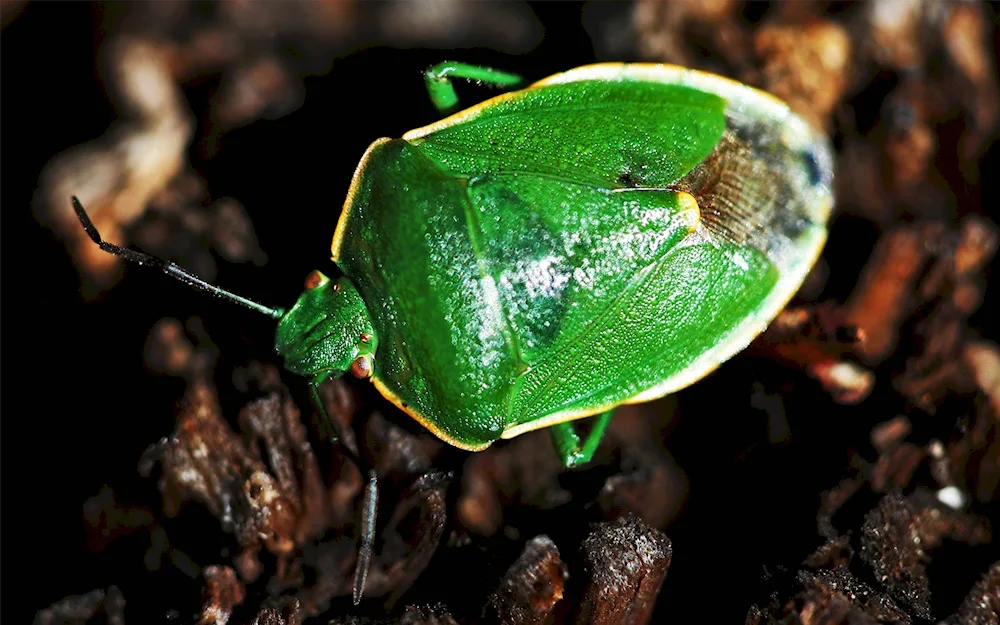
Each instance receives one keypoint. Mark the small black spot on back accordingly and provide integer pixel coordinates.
(627, 180)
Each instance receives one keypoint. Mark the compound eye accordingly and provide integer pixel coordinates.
(362, 367)
(316, 279)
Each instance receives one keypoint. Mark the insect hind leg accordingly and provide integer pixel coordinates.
(567, 442)
(442, 92)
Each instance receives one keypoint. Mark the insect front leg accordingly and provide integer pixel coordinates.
(567, 442)
(326, 427)
(442, 92)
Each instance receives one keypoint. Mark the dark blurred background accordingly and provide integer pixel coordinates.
(81, 405)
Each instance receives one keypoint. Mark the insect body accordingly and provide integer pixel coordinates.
(608, 235)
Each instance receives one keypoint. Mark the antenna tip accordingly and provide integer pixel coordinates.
(84, 218)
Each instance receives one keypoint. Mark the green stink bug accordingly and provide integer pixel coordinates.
(606, 236)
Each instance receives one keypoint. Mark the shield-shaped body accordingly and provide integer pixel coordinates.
(608, 235)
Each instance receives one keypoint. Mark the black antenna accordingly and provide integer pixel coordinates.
(168, 267)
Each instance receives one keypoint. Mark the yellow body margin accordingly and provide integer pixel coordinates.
(338, 235)
(422, 420)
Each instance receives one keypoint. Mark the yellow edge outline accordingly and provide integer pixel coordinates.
(338, 237)
(338, 234)
(419, 418)
(655, 72)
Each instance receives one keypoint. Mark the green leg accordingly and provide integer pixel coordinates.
(568, 445)
(442, 92)
(327, 428)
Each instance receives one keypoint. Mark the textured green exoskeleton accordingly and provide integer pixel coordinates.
(606, 236)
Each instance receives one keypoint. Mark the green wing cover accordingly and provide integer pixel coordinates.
(608, 134)
(534, 259)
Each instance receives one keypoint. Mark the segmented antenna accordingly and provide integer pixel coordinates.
(168, 267)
